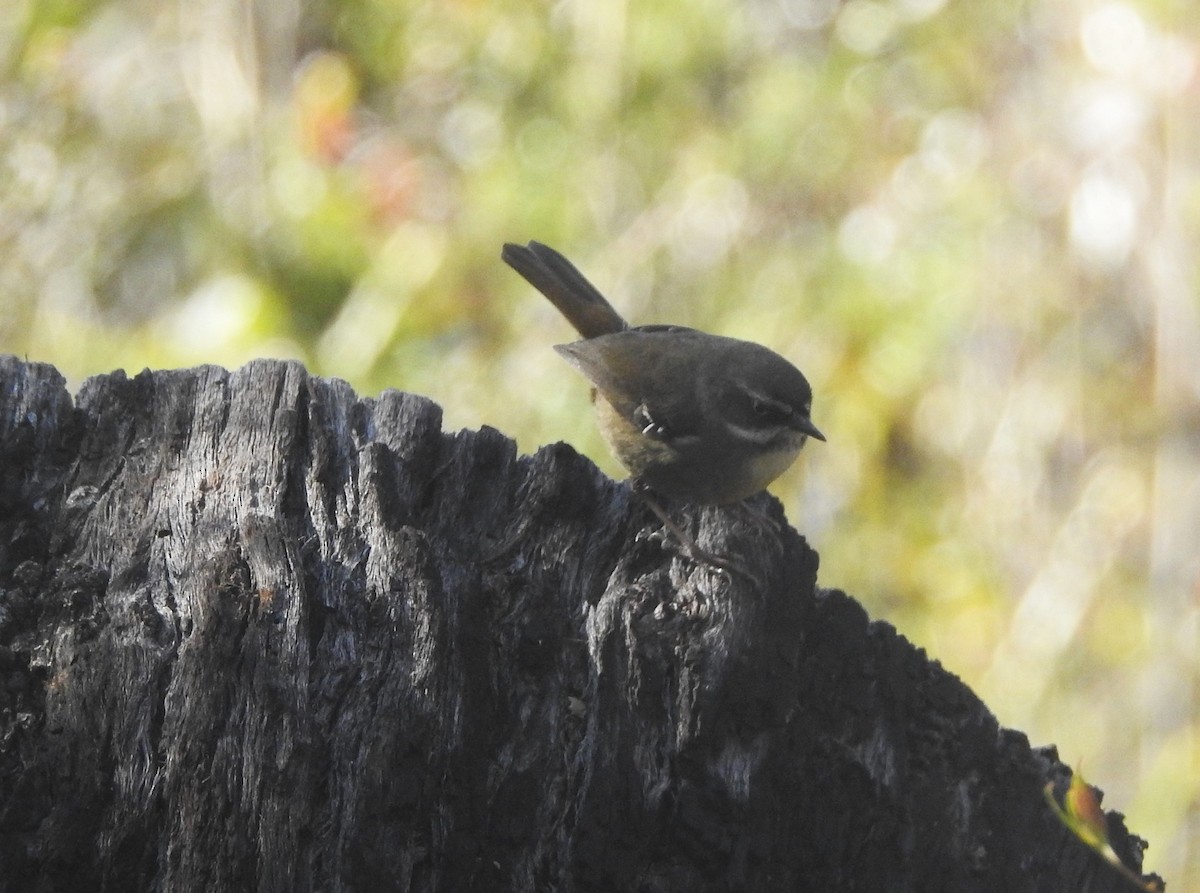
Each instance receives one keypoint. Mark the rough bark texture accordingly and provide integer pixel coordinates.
(259, 633)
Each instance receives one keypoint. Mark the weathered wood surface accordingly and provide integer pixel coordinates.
(257, 633)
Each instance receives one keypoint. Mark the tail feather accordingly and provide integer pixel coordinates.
(566, 288)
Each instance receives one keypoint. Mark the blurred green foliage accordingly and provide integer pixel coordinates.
(972, 225)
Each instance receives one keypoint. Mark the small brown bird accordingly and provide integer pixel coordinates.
(697, 417)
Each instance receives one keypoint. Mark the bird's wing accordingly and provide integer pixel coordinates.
(648, 375)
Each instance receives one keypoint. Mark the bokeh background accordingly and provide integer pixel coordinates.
(973, 225)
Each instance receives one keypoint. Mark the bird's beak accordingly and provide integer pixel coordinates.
(807, 427)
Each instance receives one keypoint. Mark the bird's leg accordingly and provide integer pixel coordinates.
(690, 546)
(758, 516)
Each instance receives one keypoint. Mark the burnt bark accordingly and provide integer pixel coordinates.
(259, 633)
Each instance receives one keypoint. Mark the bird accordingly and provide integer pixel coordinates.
(704, 419)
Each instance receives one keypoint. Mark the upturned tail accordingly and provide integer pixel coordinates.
(567, 289)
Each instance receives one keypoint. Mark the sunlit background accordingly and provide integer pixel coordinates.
(973, 225)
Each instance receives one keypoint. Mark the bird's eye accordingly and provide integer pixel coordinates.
(771, 412)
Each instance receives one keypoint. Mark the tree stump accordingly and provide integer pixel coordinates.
(258, 633)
